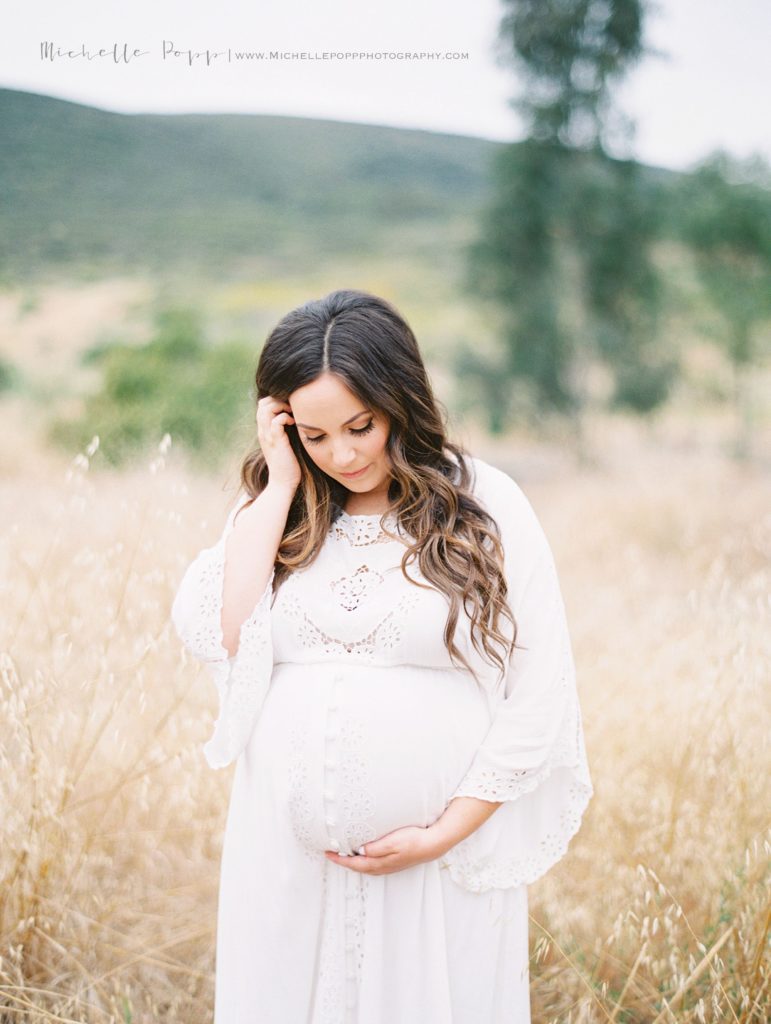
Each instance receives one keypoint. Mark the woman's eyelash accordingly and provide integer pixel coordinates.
(359, 432)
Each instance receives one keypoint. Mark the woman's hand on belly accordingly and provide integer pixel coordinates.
(395, 851)
(404, 847)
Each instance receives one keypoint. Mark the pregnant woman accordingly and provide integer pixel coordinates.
(384, 624)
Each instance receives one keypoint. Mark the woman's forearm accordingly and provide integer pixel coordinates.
(250, 552)
(462, 816)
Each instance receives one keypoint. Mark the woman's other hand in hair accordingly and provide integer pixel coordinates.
(272, 416)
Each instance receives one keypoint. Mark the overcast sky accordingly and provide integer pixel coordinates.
(708, 85)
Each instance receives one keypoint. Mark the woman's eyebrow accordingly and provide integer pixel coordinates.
(363, 411)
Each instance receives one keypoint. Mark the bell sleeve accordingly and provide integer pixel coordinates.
(242, 680)
(533, 758)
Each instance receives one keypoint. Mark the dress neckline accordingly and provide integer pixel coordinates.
(367, 527)
(367, 515)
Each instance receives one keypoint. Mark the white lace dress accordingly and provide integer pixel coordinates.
(346, 719)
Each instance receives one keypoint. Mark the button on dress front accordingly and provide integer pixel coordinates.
(346, 720)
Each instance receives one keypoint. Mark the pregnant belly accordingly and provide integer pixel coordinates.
(354, 752)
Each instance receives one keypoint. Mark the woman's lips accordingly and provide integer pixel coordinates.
(357, 473)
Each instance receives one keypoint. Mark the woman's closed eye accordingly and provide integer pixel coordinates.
(359, 432)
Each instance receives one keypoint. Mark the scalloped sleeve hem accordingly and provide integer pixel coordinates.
(525, 836)
(241, 681)
(541, 810)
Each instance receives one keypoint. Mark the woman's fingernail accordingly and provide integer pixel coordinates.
(361, 851)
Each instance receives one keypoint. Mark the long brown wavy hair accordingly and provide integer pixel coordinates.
(364, 341)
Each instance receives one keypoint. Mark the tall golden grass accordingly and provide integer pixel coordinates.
(112, 822)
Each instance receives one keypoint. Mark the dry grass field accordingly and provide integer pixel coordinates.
(112, 821)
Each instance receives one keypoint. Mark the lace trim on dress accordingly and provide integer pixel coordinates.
(353, 590)
(344, 928)
(242, 680)
(386, 635)
(298, 803)
(478, 871)
(477, 865)
(362, 530)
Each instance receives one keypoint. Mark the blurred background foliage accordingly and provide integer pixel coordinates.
(547, 279)
(174, 383)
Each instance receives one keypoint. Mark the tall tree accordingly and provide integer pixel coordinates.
(565, 241)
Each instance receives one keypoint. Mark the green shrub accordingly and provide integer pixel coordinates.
(175, 384)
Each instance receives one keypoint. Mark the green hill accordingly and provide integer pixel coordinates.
(93, 188)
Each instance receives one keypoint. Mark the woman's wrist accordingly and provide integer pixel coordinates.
(273, 501)
(281, 490)
(462, 816)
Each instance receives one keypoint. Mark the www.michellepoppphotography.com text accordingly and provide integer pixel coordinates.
(125, 53)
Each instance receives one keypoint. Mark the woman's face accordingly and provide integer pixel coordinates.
(341, 435)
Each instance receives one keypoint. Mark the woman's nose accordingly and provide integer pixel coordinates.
(343, 455)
